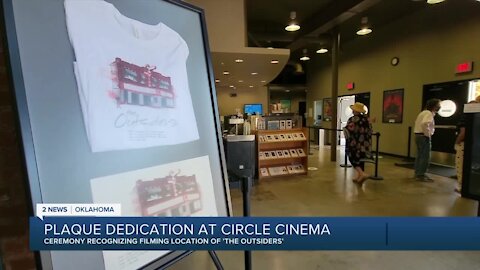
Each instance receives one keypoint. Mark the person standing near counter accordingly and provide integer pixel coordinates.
(460, 148)
(424, 130)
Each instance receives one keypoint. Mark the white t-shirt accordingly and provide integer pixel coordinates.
(425, 123)
(131, 77)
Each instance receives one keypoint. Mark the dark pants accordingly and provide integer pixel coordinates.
(356, 162)
(424, 146)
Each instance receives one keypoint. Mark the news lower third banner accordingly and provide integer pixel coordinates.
(254, 233)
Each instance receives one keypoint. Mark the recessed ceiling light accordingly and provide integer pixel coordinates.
(364, 31)
(254, 73)
(251, 86)
(287, 90)
(226, 73)
(274, 62)
(217, 80)
(231, 86)
(239, 60)
(322, 50)
(263, 81)
(240, 80)
(435, 1)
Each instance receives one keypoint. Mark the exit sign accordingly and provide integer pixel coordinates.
(350, 86)
(465, 67)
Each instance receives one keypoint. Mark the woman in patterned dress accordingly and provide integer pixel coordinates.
(359, 140)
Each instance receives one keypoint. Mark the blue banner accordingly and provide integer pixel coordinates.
(254, 233)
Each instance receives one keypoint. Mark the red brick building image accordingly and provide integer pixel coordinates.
(142, 86)
(172, 195)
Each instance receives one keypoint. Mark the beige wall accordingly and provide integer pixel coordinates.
(227, 104)
(429, 43)
(225, 23)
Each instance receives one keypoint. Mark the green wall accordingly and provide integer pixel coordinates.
(429, 43)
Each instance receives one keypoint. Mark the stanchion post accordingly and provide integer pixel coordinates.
(308, 142)
(409, 141)
(376, 176)
(215, 259)
(345, 164)
(246, 183)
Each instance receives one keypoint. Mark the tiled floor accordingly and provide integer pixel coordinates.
(329, 191)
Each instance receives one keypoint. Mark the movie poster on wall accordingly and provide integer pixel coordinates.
(327, 109)
(183, 188)
(393, 106)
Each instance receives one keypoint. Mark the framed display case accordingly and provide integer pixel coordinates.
(106, 116)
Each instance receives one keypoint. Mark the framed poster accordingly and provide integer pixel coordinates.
(286, 105)
(282, 106)
(106, 116)
(327, 109)
(393, 106)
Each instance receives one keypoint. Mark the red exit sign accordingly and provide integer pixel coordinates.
(350, 86)
(464, 67)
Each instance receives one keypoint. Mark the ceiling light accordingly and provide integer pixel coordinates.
(274, 62)
(251, 86)
(365, 28)
(254, 73)
(287, 90)
(240, 80)
(435, 1)
(217, 80)
(364, 31)
(305, 56)
(271, 48)
(322, 50)
(263, 81)
(226, 73)
(292, 26)
(231, 86)
(239, 60)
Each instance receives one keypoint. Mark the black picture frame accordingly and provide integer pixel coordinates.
(31, 167)
(327, 109)
(392, 106)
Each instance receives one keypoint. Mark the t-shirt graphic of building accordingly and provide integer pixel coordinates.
(174, 195)
(142, 86)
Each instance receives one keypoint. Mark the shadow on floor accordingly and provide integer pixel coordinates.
(434, 169)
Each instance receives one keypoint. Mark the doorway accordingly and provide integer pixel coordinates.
(453, 95)
(343, 114)
(302, 110)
